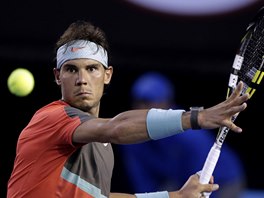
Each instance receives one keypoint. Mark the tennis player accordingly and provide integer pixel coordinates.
(65, 149)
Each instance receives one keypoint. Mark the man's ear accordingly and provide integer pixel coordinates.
(56, 73)
(108, 75)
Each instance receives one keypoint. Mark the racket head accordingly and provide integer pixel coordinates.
(248, 63)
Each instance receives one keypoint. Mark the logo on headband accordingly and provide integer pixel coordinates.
(75, 49)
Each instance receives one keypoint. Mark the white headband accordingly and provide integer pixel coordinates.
(81, 49)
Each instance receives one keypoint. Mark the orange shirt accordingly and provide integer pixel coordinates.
(47, 164)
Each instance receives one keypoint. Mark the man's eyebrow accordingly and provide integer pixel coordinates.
(70, 64)
(94, 65)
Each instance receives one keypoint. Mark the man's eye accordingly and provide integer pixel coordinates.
(92, 68)
(71, 69)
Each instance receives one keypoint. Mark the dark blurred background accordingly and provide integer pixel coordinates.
(196, 51)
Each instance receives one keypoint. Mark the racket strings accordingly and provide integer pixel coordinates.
(253, 55)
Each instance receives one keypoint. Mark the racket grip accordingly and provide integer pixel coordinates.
(210, 164)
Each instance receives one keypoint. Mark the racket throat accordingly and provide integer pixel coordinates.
(221, 136)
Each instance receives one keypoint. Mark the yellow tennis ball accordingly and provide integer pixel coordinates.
(20, 82)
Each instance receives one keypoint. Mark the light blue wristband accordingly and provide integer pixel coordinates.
(164, 123)
(161, 194)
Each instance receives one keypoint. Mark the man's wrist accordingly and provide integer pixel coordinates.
(194, 117)
(164, 123)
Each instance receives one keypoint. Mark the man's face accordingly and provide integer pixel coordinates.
(82, 83)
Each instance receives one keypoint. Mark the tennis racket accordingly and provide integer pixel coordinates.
(248, 68)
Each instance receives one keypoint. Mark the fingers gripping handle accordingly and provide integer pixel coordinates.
(210, 164)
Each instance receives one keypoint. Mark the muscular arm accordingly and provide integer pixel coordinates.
(127, 127)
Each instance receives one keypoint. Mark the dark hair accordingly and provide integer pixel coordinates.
(83, 30)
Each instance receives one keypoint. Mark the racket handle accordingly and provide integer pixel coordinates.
(210, 164)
